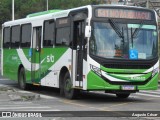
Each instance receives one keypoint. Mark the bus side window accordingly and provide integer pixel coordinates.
(26, 35)
(63, 31)
(15, 36)
(6, 37)
(63, 36)
(49, 33)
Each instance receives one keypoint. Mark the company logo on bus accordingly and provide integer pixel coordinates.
(138, 78)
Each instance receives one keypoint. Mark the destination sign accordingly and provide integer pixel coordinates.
(63, 21)
(123, 13)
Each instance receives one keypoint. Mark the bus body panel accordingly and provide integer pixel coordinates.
(101, 78)
(94, 82)
(51, 60)
(57, 58)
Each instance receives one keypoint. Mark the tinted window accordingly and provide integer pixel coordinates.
(15, 38)
(26, 35)
(62, 36)
(6, 43)
(48, 33)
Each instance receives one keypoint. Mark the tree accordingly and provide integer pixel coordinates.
(5, 10)
(25, 7)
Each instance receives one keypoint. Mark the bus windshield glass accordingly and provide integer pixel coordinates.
(124, 41)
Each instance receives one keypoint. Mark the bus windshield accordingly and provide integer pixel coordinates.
(124, 41)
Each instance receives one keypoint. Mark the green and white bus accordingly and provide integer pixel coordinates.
(91, 48)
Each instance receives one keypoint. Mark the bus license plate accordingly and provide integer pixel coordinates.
(127, 87)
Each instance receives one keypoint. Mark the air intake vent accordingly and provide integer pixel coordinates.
(127, 66)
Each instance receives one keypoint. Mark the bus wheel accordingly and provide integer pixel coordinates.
(122, 95)
(69, 92)
(22, 79)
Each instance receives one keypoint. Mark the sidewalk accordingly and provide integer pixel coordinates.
(10, 94)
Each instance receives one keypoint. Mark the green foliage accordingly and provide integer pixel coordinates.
(66, 4)
(25, 7)
(5, 12)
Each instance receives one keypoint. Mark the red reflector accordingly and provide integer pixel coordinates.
(84, 76)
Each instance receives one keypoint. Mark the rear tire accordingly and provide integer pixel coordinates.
(61, 88)
(22, 80)
(122, 95)
(69, 92)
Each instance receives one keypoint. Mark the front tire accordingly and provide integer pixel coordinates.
(69, 92)
(122, 95)
(22, 80)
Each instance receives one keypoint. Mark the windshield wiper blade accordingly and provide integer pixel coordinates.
(136, 31)
(116, 28)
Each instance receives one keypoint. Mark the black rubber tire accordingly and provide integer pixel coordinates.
(69, 92)
(122, 95)
(61, 88)
(22, 80)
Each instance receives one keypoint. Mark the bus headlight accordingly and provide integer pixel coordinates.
(156, 70)
(95, 69)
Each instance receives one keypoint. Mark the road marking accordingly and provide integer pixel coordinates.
(147, 95)
(120, 104)
(11, 105)
(24, 102)
(102, 109)
(158, 90)
(34, 107)
(109, 107)
(44, 110)
(20, 105)
(22, 91)
(154, 92)
(3, 79)
(72, 103)
(47, 97)
(82, 105)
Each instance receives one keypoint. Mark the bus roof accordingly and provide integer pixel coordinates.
(42, 13)
(54, 14)
(45, 16)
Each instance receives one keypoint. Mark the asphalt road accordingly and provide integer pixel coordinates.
(50, 100)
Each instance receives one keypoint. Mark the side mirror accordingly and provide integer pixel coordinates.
(88, 31)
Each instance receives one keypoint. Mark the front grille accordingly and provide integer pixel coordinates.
(126, 83)
(127, 66)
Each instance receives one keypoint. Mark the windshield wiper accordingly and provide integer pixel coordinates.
(136, 31)
(116, 28)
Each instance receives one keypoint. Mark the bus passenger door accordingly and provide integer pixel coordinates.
(35, 59)
(78, 56)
